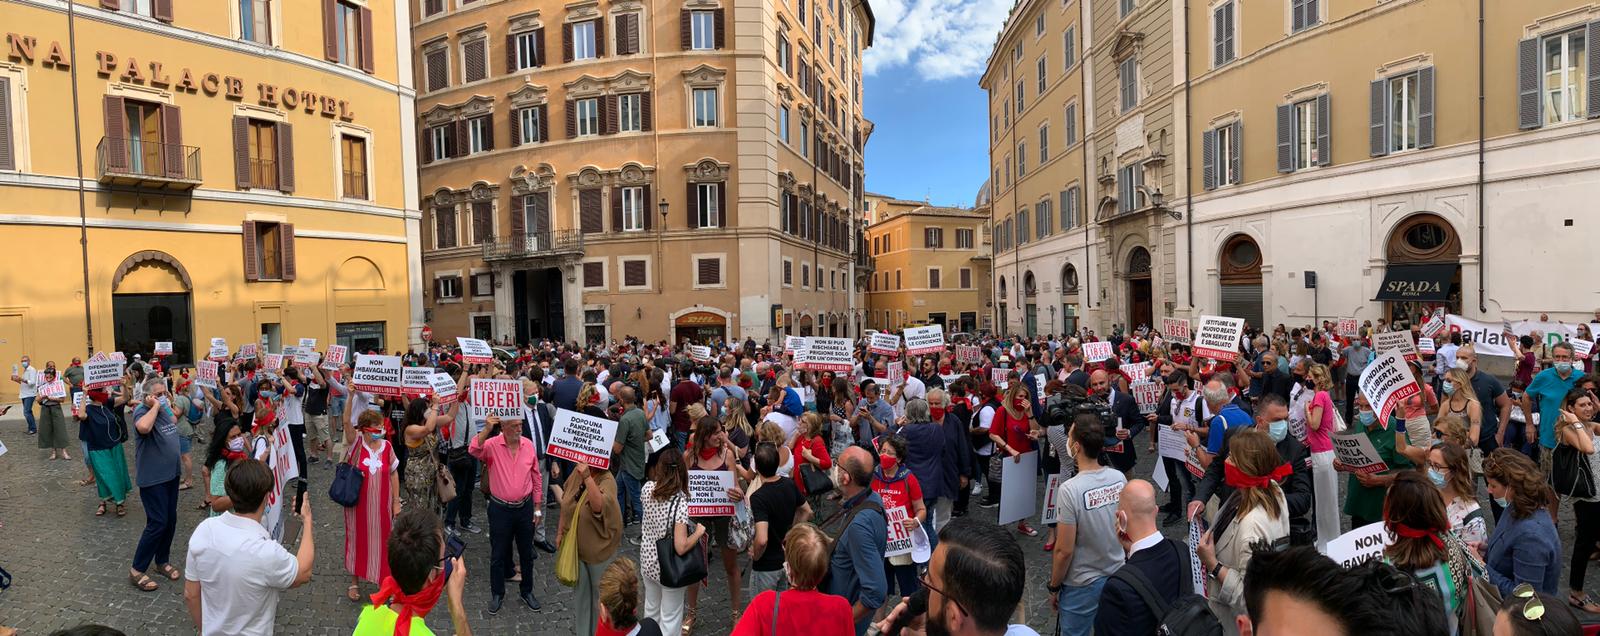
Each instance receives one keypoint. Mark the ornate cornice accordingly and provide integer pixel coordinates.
(540, 179)
(524, 22)
(529, 94)
(704, 75)
(707, 170)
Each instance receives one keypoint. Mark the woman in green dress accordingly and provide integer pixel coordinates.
(53, 435)
(97, 425)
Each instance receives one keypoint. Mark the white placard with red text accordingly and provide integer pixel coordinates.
(924, 340)
(1349, 327)
(969, 355)
(899, 537)
(272, 363)
(1097, 351)
(586, 439)
(1218, 337)
(500, 398)
(1175, 329)
(285, 470)
(416, 381)
(206, 374)
(998, 377)
(248, 350)
(829, 354)
(56, 390)
(335, 357)
(1136, 371)
(99, 374)
(791, 344)
(1425, 346)
(1581, 347)
(1050, 512)
(475, 351)
(305, 357)
(896, 373)
(700, 353)
(163, 348)
(1147, 394)
(1386, 382)
(885, 344)
(444, 388)
(378, 375)
(708, 493)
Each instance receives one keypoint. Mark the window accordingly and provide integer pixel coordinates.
(479, 135)
(8, 151)
(1045, 223)
(783, 56)
(1069, 47)
(444, 227)
(783, 123)
(805, 275)
(630, 117)
(1220, 148)
(635, 273)
(348, 34)
(1303, 15)
(268, 251)
(1044, 143)
(1125, 7)
(963, 239)
(475, 61)
(1022, 226)
(255, 21)
(483, 284)
(707, 271)
(262, 152)
(1306, 152)
(440, 142)
(933, 278)
(1069, 208)
(965, 278)
(705, 107)
(1038, 25)
(933, 237)
(583, 43)
(1021, 95)
(801, 12)
(1222, 34)
(527, 44)
(1022, 160)
(897, 279)
(445, 287)
(482, 222)
(1129, 180)
(1404, 114)
(1072, 124)
(588, 117)
(437, 62)
(432, 7)
(1564, 69)
(633, 209)
(788, 272)
(353, 165)
(596, 328)
(528, 125)
(594, 275)
(702, 30)
(805, 135)
(1041, 70)
(627, 33)
(707, 199)
(1016, 53)
(145, 8)
(1128, 77)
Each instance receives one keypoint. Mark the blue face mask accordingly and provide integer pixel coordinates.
(1278, 429)
(1449, 388)
(1437, 477)
(1564, 367)
(1501, 501)
(1366, 418)
(269, 394)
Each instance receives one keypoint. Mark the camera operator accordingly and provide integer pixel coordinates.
(1128, 424)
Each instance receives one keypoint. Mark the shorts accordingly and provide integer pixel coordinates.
(716, 530)
(184, 444)
(317, 428)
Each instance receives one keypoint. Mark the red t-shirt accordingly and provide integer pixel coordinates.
(683, 394)
(898, 494)
(799, 612)
(1013, 430)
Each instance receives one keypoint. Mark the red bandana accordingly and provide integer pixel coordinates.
(1236, 478)
(709, 453)
(408, 605)
(1408, 532)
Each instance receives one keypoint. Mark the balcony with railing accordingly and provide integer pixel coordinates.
(147, 164)
(535, 245)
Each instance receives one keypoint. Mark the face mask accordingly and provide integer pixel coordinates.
(936, 414)
(1564, 367)
(269, 394)
(888, 464)
(1501, 501)
(375, 435)
(837, 476)
(1366, 417)
(1436, 476)
(1449, 388)
(236, 444)
(1460, 364)
(1278, 429)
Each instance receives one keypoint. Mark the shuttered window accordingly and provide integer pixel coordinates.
(582, 41)
(1069, 209)
(708, 271)
(708, 204)
(8, 134)
(966, 278)
(963, 239)
(634, 273)
(347, 34)
(1402, 112)
(1069, 47)
(630, 118)
(530, 124)
(591, 219)
(594, 275)
(263, 154)
(482, 222)
(255, 21)
(1128, 82)
(432, 7)
(933, 278)
(1567, 78)
(526, 50)
(933, 237)
(447, 287)
(587, 116)
(1219, 150)
(480, 134)
(1129, 178)
(1222, 34)
(483, 284)
(444, 227)
(268, 251)
(788, 272)
(475, 60)
(627, 30)
(1044, 143)
(441, 142)
(353, 166)
(1303, 134)
(1303, 14)
(438, 63)
(1072, 124)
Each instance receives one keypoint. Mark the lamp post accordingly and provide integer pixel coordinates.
(660, 230)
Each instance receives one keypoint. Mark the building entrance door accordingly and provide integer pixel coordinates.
(538, 310)
(1139, 312)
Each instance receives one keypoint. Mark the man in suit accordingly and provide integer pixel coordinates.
(1274, 381)
(1179, 408)
(1272, 418)
(1163, 563)
(1119, 454)
(1073, 365)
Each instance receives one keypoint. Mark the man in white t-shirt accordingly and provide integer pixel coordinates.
(910, 388)
(27, 378)
(235, 570)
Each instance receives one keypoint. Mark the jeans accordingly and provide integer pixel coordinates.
(1078, 605)
(459, 510)
(665, 604)
(628, 497)
(505, 525)
(160, 525)
(27, 413)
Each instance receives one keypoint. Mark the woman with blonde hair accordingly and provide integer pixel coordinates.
(619, 603)
(1012, 432)
(1255, 515)
(1320, 425)
(810, 445)
(1461, 401)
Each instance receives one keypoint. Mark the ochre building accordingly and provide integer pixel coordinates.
(930, 265)
(230, 176)
(688, 169)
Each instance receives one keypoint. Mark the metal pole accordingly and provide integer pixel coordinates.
(77, 146)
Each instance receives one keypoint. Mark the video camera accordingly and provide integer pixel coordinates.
(1061, 409)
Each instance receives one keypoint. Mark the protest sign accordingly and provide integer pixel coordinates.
(899, 537)
(1175, 329)
(1359, 545)
(1147, 394)
(658, 440)
(1354, 453)
(500, 398)
(1581, 347)
(1097, 351)
(1488, 339)
(1196, 572)
(998, 377)
(700, 353)
(793, 343)
(1435, 325)
(219, 342)
(56, 390)
(475, 351)
(1349, 327)
(416, 381)
(886, 344)
(1399, 341)
(801, 354)
(924, 340)
(1136, 371)
(118, 357)
(305, 357)
(443, 387)
(79, 400)
(969, 355)
(307, 343)
(217, 352)
(1385, 382)
(272, 363)
(896, 373)
(248, 350)
(1218, 337)
(1172, 444)
(829, 354)
(285, 470)
(163, 348)
(1051, 513)
(378, 375)
(583, 438)
(289, 352)
(1017, 483)
(1425, 346)
(708, 493)
(99, 374)
(335, 358)
(205, 374)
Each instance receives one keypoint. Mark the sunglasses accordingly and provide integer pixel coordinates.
(1533, 609)
(923, 578)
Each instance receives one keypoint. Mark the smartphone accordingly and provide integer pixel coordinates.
(299, 494)
(453, 548)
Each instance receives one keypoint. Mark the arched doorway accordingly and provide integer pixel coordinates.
(1030, 309)
(1424, 269)
(150, 303)
(1003, 325)
(807, 324)
(1240, 267)
(1069, 299)
(1140, 302)
(358, 288)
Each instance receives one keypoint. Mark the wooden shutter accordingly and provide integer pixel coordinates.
(482, 222)
(717, 28)
(1286, 135)
(633, 33)
(8, 158)
(538, 47)
(438, 69)
(708, 271)
(692, 206)
(285, 134)
(252, 265)
(518, 223)
(966, 278)
(330, 30)
(488, 132)
(566, 42)
(511, 52)
(645, 111)
(724, 219)
(241, 152)
(1378, 135)
(286, 250)
(162, 9)
(1528, 115)
(544, 122)
(609, 105)
(616, 209)
(633, 273)
(541, 212)
(438, 288)
(594, 274)
(590, 219)
(477, 63)
(514, 125)
(572, 119)
(445, 225)
(114, 5)
(1324, 130)
(685, 30)
(599, 37)
(1425, 107)
(1234, 143)
(1591, 37)
(427, 145)
(460, 139)
(647, 212)
(366, 39)
(472, 284)
(1208, 161)
(172, 136)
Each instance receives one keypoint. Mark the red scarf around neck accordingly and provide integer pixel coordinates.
(408, 605)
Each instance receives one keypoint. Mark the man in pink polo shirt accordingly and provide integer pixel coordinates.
(515, 494)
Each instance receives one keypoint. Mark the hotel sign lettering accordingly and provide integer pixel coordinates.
(25, 49)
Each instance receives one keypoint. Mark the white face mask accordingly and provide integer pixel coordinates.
(1460, 364)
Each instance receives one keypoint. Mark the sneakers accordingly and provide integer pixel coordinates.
(1027, 530)
(494, 604)
(988, 504)
(470, 527)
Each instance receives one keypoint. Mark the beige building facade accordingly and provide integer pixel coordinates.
(688, 170)
(930, 265)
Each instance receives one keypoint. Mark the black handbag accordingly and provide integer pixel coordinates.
(815, 480)
(679, 570)
(1570, 473)
(346, 487)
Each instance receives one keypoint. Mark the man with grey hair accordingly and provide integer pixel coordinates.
(1549, 387)
(932, 461)
(1228, 415)
(861, 532)
(156, 461)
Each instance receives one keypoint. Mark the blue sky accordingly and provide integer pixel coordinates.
(921, 92)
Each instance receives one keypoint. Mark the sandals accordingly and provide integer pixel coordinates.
(353, 593)
(185, 486)
(84, 482)
(688, 620)
(122, 510)
(142, 582)
(168, 571)
(1583, 602)
(101, 510)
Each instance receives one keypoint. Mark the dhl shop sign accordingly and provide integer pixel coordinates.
(25, 49)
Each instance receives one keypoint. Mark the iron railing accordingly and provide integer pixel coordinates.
(534, 245)
(148, 163)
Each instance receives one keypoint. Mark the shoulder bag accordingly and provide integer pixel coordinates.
(445, 484)
(679, 570)
(816, 481)
(1570, 473)
(567, 554)
(347, 480)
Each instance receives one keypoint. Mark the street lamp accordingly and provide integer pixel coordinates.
(660, 231)
(1158, 201)
(663, 207)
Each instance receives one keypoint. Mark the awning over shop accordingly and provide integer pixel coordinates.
(1425, 282)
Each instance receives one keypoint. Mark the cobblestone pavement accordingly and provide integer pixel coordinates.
(70, 567)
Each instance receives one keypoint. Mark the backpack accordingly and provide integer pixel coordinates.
(1188, 615)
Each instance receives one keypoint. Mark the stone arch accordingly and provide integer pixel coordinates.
(158, 259)
(358, 273)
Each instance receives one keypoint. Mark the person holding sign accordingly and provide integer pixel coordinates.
(53, 434)
(709, 449)
(1524, 546)
(103, 436)
(666, 511)
(589, 509)
(1364, 492)
(1013, 432)
(1422, 545)
(899, 489)
(516, 497)
(1256, 514)
(366, 524)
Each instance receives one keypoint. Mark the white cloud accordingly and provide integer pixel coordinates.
(938, 39)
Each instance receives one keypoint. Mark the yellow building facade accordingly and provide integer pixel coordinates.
(930, 265)
(228, 176)
(682, 170)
